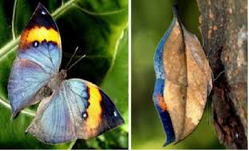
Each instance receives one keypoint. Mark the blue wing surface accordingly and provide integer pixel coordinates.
(159, 87)
(26, 79)
(79, 109)
(46, 54)
(38, 60)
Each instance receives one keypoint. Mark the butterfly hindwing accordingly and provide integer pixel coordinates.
(38, 59)
(52, 123)
(110, 116)
(102, 114)
(79, 109)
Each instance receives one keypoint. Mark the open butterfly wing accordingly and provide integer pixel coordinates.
(38, 59)
(79, 109)
(26, 79)
(52, 123)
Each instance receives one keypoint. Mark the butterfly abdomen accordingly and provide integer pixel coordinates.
(43, 93)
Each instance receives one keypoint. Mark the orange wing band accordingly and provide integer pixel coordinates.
(39, 34)
(94, 110)
(161, 103)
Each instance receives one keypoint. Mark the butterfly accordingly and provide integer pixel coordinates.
(69, 109)
(183, 81)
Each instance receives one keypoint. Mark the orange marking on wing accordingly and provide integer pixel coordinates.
(161, 102)
(94, 110)
(39, 34)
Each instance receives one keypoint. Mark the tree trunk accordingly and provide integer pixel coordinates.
(224, 30)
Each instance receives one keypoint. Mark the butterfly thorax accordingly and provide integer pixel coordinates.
(52, 86)
(55, 82)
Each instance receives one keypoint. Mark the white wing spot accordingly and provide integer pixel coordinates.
(237, 135)
(115, 113)
(84, 115)
(43, 13)
(35, 44)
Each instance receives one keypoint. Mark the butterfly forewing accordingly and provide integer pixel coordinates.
(38, 59)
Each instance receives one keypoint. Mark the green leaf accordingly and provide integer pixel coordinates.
(97, 28)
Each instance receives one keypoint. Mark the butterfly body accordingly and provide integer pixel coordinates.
(56, 81)
(69, 108)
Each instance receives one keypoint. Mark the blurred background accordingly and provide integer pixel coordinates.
(150, 19)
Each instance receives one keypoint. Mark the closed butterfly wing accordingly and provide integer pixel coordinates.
(38, 60)
(158, 96)
(79, 109)
(188, 80)
(183, 81)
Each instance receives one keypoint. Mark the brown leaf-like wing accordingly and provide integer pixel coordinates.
(187, 80)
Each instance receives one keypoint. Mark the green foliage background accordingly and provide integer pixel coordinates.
(150, 19)
(100, 29)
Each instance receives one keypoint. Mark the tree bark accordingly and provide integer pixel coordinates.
(224, 30)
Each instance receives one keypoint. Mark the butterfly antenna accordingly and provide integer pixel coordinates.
(76, 62)
(75, 51)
